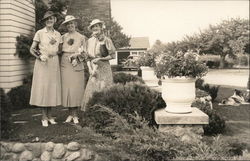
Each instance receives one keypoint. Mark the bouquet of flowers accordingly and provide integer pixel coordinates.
(180, 64)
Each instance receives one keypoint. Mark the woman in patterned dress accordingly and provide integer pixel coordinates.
(46, 83)
(72, 68)
(98, 64)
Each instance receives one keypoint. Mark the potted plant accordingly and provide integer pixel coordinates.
(179, 72)
(146, 62)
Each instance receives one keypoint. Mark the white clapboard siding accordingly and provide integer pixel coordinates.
(17, 17)
(8, 68)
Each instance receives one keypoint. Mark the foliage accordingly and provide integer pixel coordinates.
(146, 59)
(216, 124)
(230, 37)
(212, 90)
(118, 37)
(128, 99)
(23, 47)
(116, 68)
(5, 108)
(180, 64)
(20, 96)
(124, 78)
(41, 8)
(137, 140)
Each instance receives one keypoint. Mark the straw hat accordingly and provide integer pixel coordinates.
(69, 18)
(95, 21)
(48, 14)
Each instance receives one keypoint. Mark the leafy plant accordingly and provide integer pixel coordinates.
(216, 123)
(125, 78)
(146, 59)
(212, 90)
(130, 98)
(5, 108)
(180, 64)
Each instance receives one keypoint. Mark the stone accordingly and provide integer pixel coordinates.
(15, 157)
(195, 117)
(59, 151)
(73, 156)
(85, 155)
(46, 156)
(18, 148)
(49, 146)
(2, 151)
(7, 146)
(186, 133)
(26, 156)
(36, 159)
(73, 146)
(35, 148)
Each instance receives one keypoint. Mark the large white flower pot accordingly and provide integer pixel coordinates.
(178, 93)
(148, 73)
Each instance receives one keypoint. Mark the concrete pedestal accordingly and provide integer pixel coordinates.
(186, 126)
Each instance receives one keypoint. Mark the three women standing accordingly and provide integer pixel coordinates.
(46, 83)
(53, 87)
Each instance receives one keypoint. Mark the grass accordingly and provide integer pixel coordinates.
(237, 118)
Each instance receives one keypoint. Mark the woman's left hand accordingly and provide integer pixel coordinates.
(96, 60)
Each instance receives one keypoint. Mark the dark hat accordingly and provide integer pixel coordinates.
(47, 15)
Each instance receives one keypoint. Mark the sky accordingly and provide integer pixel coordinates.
(171, 20)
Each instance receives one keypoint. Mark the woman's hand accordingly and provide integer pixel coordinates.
(96, 60)
(44, 58)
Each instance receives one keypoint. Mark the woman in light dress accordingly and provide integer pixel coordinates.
(100, 50)
(72, 68)
(46, 83)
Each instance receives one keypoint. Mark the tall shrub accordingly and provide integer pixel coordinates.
(5, 108)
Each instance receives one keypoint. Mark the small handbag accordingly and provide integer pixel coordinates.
(103, 50)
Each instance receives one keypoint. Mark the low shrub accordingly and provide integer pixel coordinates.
(5, 109)
(216, 123)
(20, 96)
(212, 90)
(124, 78)
(130, 98)
(137, 140)
(116, 68)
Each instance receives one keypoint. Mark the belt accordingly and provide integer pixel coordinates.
(51, 56)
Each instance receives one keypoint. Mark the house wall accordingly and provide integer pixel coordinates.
(17, 18)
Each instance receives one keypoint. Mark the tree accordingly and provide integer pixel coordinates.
(228, 38)
(118, 37)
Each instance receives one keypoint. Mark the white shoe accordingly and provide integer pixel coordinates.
(69, 119)
(75, 120)
(52, 121)
(45, 123)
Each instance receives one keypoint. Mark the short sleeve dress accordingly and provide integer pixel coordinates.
(46, 83)
(73, 82)
(104, 77)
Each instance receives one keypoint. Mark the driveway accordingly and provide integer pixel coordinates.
(228, 77)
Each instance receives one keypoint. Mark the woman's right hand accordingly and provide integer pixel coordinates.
(44, 58)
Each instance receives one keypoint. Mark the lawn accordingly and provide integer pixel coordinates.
(27, 126)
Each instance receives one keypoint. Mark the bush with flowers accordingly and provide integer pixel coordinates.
(146, 59)
(180, 64)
